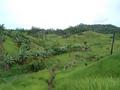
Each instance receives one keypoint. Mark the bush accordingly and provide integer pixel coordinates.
(58, 51)
(76, 47)
(36, 66)
(8, 61)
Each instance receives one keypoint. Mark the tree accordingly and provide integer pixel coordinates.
(2, 27)
(1, 47)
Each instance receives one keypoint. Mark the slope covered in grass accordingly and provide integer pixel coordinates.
(101, 75)
(10, 47)
(109, 67)
(34, 81)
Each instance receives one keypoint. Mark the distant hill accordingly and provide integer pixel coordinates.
(78, 29)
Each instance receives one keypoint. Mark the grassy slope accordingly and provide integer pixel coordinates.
(102, 75)
(99, 43)
(10, 47)
(91, 77)
(99, 46)
(34, 81)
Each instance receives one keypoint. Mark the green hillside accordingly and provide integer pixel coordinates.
(76, 58)
(10, 47)
(101, 75)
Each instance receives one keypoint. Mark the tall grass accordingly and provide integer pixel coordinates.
(89, 84)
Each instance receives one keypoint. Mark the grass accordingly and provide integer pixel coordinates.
(34, 81)
(10, 47)
(89, 84)
(100, 74)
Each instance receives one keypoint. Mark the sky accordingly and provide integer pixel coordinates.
(58, 13)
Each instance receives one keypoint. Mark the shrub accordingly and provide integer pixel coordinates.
(58, 51)
(21, 57)
(76, 47)
(36, 66)
(8, 62)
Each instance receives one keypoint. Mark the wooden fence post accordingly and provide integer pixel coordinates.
(113, 40)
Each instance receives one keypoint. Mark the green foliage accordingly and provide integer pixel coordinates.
(1, 47)
(117, 35)
(39, 50)
(21, 57)
(8, 60)
(36, 66)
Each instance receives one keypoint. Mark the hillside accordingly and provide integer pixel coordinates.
(40, 59)
(101, 75)
(26, 48)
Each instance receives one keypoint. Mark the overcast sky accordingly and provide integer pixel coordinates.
(58, 13)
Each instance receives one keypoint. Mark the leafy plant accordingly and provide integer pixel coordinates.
(8, 62)
(36, 66)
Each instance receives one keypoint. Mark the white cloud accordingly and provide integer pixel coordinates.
(57, 13)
